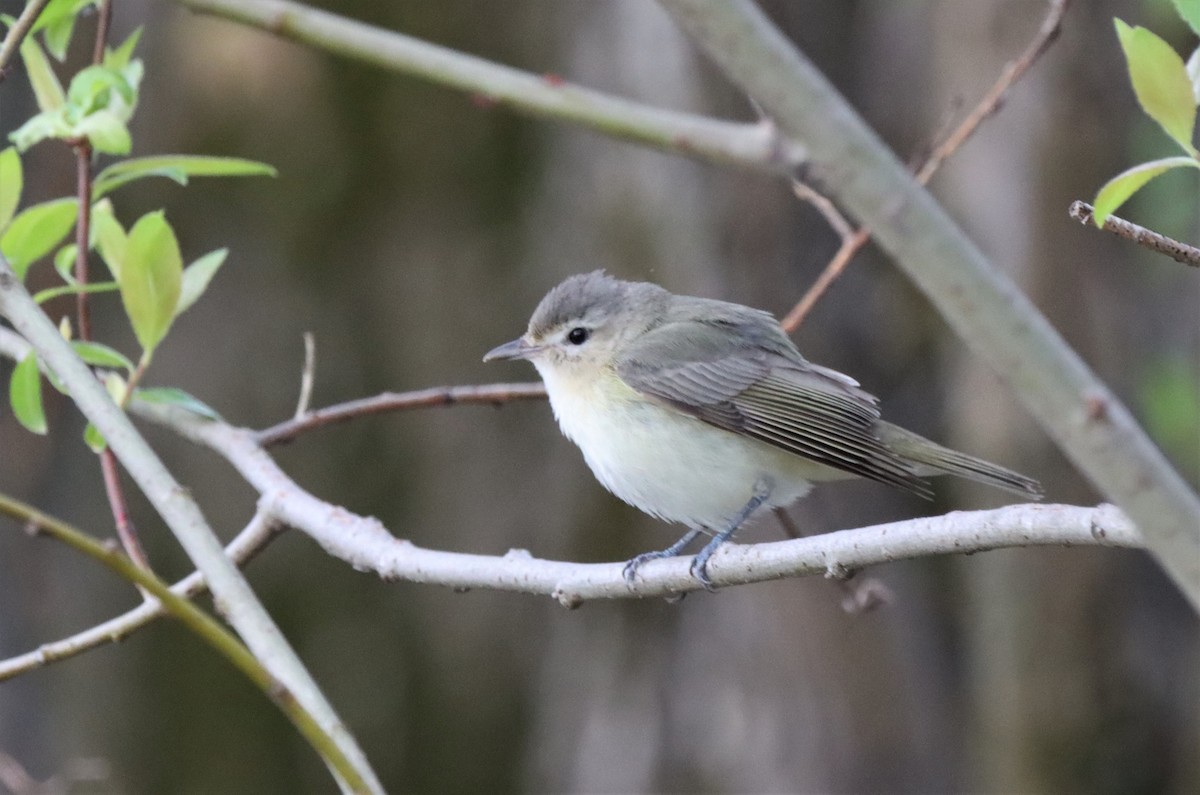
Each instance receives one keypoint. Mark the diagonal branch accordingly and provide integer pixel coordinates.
(755, 146)
(854, 240)
(996, 321)
(245, 545)
(180, 512)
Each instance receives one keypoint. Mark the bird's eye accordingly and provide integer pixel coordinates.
(577, 335)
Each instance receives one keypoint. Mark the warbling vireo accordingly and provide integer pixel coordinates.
(703, 412)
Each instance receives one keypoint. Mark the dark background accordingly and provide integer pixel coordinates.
(412, 229)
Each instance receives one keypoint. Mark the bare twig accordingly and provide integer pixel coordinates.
(852, 242)
(994, 98)
(1147, 238)
(103, 22)
(17, 33)
(850, 246)
(494, 394)
(204, 627)
(244, 546)
(307, 375)
(755, 146)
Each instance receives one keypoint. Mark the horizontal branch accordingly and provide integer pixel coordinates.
(756, 146)
(493, 394)
(1147, 238)
(365, 543)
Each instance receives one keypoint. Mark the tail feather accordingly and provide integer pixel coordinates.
(944, 461)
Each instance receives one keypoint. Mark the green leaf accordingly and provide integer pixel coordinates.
(1193, 71)
(1190, 11)
(11, 183)
(108, 237)
(46, 88)
(93, 439)
(173, 396)
(25, 394)
(35, 231)
(107, 134)
(58, 10)
(178, 168)
(64, 262)
(197, 276)
(119, 58)
(58, 36)
(150, 278)
(1161, 83)
(1118, 189)
(100, 355)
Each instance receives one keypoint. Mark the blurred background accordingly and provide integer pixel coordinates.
(411, 229)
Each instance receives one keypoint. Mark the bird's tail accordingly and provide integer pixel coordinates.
(933, 459)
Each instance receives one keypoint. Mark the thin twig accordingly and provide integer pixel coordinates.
(1147, 238)
(307, 375)
(495, 394)
(833, 216)
(988, 106)
(994, 98)
(251, 540)
(845, 253)
(103, 21)
(202, 625)
(18, 32)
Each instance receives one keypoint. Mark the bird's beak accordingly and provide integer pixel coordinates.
(517, 349)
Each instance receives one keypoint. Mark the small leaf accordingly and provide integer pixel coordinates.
(1161, 82)
(178, 168)
(100, 355)
(11, 182)
(173, 396)
(25, 394)
(108, 237)
(150, 278)
(58, 10)
(1193, 71)
(93, 439)
(197, 276)
(46, 88)
(1190, 11)
(1118, 189)
(107, 134)
(64, 328)
(58, 36)
(64, 262)
(119, 58)
(35, 231)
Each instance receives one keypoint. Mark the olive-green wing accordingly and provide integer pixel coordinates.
(744, 376)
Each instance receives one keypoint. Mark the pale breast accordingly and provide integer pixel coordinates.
(667, 463)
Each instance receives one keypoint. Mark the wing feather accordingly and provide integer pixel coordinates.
(741, 373)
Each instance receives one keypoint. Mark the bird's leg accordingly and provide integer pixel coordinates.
(699, 569)
(630, 571)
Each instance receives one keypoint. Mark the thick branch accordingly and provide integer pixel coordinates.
(368, 546)
(755, 146)
(17, 33)
(997, 322)
(177, 508)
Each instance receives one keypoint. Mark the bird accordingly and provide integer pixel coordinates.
(704, 413)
